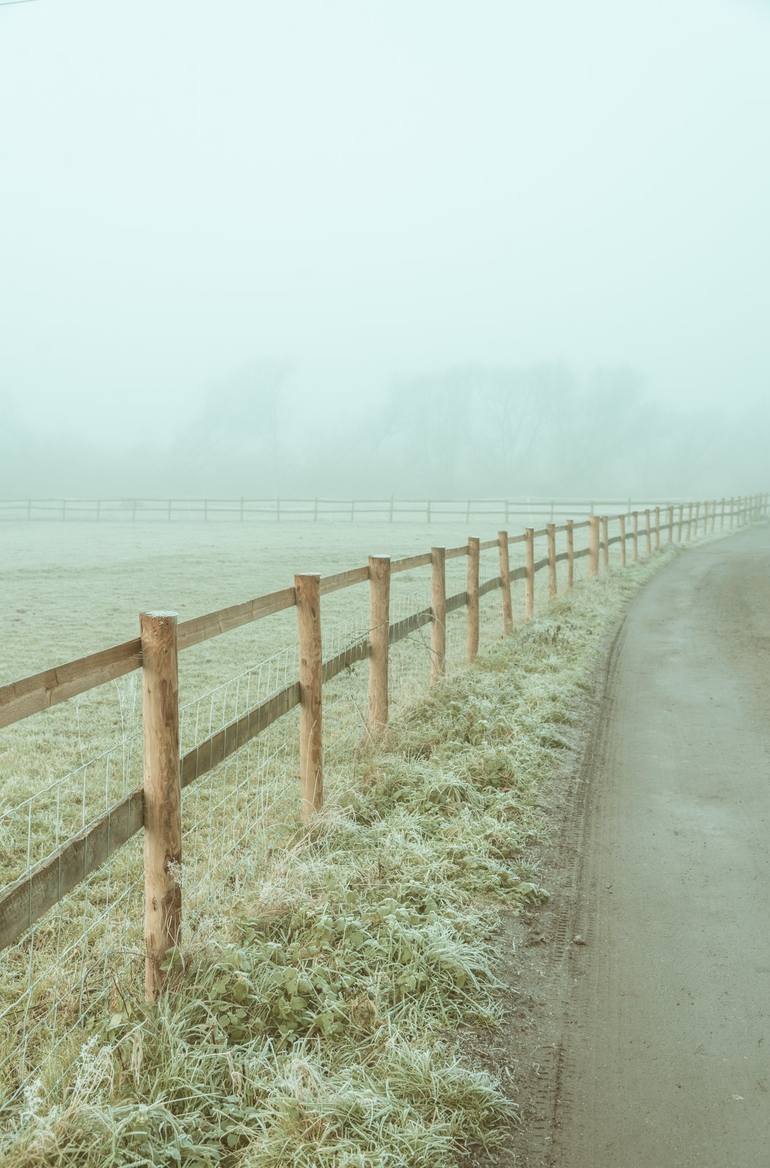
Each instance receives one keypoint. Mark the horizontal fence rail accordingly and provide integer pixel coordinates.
(167, 771)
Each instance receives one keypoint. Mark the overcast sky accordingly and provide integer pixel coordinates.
(369, 190)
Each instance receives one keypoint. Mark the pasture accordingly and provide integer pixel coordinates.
(74, 588)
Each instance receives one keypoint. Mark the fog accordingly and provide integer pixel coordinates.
(436, 247)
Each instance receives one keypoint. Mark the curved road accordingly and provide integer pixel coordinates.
(665, 1059)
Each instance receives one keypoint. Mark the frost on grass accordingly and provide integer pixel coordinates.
(313, 1019)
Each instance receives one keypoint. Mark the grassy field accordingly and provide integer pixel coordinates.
(327, 976)
(71, 589)
(74, 589)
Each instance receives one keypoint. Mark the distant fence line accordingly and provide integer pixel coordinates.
(318, 509)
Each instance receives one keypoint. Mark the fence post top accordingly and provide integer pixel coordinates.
(474, 539)
(160, 614)
(379, 558)
(306, 576)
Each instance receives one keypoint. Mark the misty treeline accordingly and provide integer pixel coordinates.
(475, 430)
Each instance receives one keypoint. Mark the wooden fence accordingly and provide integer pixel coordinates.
(156, 806)
(277, 509)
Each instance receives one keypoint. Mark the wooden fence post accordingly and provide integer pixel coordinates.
(379, 641)
(438, 607)
(688, 537)
(162, 796)
(505, 576)
(670, 523)
(622, 522)
(593, 546)
(657, 529)
(605, 541)
(308, 591)
(648, 532)
(474, 556)
(697, 518)
(529, 552)
(570, 553)
(635, 533)
(722, 514)
(552, 583)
